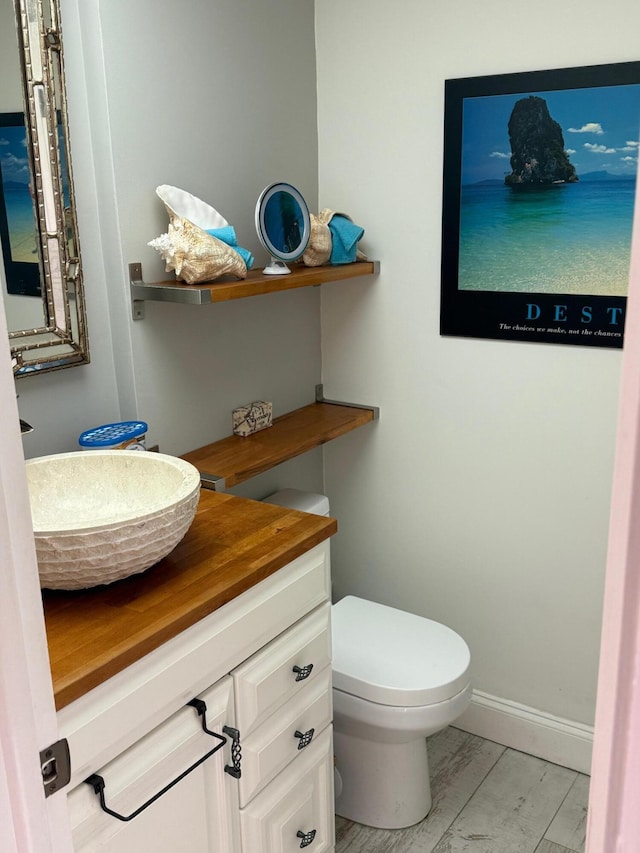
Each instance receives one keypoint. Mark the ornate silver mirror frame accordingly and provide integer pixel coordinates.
(61, 340)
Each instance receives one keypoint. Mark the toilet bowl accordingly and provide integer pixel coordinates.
(397, 678)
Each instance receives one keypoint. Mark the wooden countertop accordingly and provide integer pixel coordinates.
(232, 544)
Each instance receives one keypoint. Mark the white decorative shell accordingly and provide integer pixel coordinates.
(179, 203)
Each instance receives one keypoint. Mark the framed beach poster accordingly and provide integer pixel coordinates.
(538, 199)
(17, 215)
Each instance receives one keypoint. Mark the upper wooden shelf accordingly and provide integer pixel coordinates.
(235, 459)
(255, 284)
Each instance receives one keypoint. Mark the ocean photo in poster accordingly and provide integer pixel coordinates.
(539, 190)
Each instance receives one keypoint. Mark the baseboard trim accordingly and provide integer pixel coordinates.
(528, 730)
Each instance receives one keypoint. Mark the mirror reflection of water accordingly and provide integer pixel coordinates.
(283, 220)
(20, 221)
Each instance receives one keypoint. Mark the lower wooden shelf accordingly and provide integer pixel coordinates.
(238, 458)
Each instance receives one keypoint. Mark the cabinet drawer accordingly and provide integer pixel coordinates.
(268, 680)
(196, 814)
(300, 799)
(275, 743)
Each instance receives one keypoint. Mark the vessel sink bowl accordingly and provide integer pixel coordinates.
(102, 515)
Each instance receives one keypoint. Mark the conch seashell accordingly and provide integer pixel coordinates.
(195, 255)
(182, 205)
(318, 249)
(320, 244)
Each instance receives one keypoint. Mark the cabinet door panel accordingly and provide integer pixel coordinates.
(267, 680)
(199, 813)
(300, 799)
(272, 746)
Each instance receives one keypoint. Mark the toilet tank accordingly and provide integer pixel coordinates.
(297, 499)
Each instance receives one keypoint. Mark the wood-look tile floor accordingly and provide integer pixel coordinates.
(486, 799)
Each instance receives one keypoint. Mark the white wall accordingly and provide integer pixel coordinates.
(219, 99)
(481, 498)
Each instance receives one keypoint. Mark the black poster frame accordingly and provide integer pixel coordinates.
(532, 316)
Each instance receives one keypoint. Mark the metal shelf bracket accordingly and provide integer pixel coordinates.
(320, 398)
(141, 291)
(212, 482)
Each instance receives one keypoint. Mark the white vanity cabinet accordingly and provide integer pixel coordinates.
(291, 813)
(198, 813)
(284, 709)
(262, 666)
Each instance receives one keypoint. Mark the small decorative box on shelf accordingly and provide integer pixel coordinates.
(252, 418)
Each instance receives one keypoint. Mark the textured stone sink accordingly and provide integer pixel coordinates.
(102, 515)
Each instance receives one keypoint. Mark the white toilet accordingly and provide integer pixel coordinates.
(397, 678)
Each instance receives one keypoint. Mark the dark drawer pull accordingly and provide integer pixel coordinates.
(234, 769)
(307, 837)
(98, 784)
(305, 737)
(302, 672)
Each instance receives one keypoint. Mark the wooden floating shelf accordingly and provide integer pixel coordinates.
(255, 284)
(238, 458)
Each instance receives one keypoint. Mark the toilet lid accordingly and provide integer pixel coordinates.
(395, 658)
